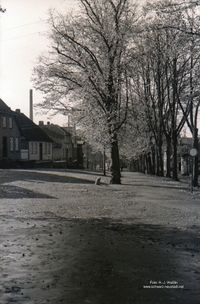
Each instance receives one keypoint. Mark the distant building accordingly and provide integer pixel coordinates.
(71, 144)
(185, 162)
(21, 139)
(10, 136)
(66, 145)
(35, 143)
(92, 160)
(57, 135)
(64, 141)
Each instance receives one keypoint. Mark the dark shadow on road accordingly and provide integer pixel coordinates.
(14, 192)
(140, 179)
(7, 176)
(164, 186)
(93, 173)
(79, 171)
(98, 262)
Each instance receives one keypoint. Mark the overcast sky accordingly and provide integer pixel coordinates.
(22, 40)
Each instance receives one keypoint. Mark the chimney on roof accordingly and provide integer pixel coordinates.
(17, 111)
(31, 104)
(41, 123)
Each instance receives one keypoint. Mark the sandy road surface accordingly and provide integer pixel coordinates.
(65, 240)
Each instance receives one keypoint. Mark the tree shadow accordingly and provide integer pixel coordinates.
(14, 192)
(7, 176)
(93, 173)
(164, 186)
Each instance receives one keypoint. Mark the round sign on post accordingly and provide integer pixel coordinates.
(193, 152)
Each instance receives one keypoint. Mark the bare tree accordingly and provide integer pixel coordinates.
(186, 25)
(164, 69)
(192, 93)
(87, 65)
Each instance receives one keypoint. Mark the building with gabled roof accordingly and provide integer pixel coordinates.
(35, 143)
(9, 134)
(63, 148)
(4, 108)
(21, 139)
(57, 135)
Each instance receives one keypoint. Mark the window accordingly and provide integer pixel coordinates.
(10, 122)
(35, 148)
(4, 122)
(11, 143)
(16, 144)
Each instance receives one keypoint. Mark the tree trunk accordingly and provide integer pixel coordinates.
(161, 167)
(140, 164)
(175, 160)
(153, 160)
(144, 163)
(148, 163)
(168, 141)
(137, 165)
(157, 162)
(115, 168)
(104, 162)
(196, 165)
(159, 158)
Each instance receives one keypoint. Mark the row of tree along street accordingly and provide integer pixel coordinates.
(130, 75)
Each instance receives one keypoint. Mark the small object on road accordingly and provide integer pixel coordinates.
(98, 181)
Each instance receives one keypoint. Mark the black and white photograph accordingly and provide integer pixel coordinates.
(100, 151)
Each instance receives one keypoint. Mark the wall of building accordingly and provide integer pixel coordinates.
(39, 151)
(57, 134)
(64, 146)
(9, 138)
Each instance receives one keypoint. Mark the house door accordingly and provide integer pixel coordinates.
(5, 146)
(40, 151)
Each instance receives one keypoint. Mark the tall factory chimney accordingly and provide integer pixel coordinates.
(31, 104)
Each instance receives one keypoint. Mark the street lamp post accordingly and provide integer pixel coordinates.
(193, 154)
